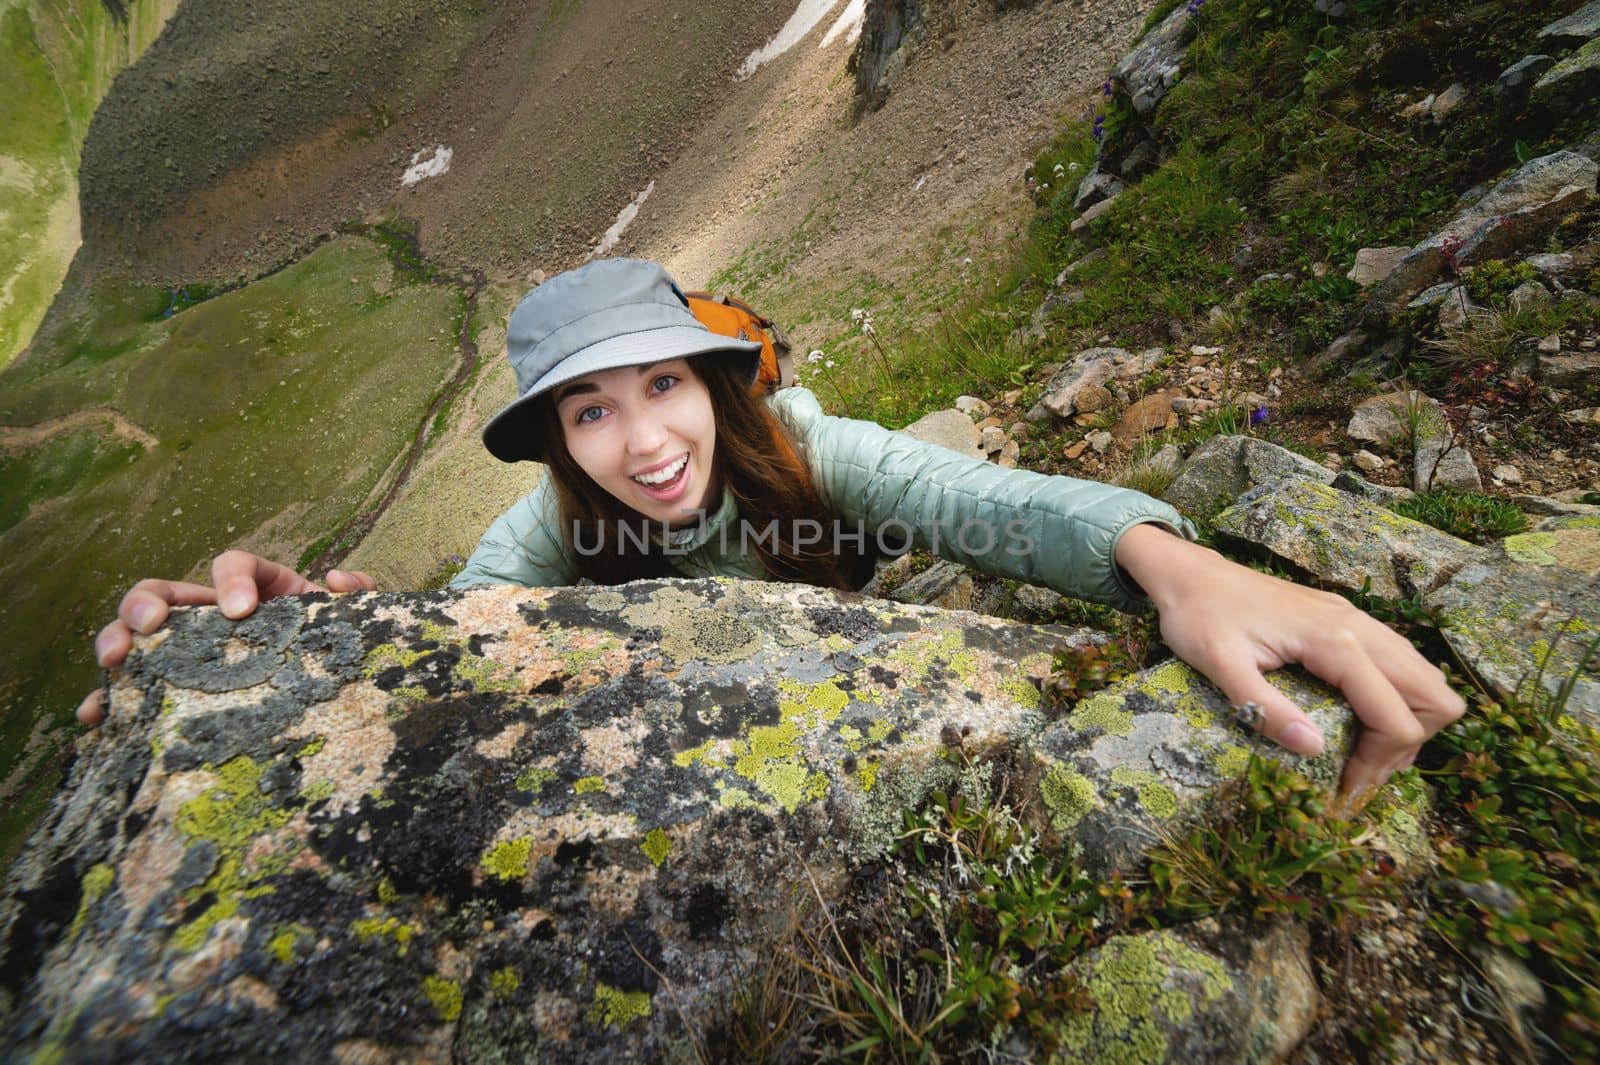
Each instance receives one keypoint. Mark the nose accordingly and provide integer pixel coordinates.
(646, 434)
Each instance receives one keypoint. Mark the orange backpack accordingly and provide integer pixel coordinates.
(732, 317)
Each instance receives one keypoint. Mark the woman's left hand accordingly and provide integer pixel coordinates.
(1234, 625)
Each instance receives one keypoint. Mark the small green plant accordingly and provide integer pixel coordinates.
(1087, 668)
(444, 574)
(1492, 283)
(1470, 515)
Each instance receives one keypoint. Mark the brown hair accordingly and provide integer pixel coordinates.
(754, 458)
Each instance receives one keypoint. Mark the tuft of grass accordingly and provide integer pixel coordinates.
(1470, 515)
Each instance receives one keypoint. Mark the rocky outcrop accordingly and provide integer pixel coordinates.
(1226, 467)
(893, 30)
(553, 823)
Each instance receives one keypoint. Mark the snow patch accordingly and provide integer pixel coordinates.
(436, 164)
(806, 16)
(625, 216)
(848, 23)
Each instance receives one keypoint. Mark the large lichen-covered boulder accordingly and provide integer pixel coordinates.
(1525, 614)
(1155, 64)
(508, 824)
(1344, 540)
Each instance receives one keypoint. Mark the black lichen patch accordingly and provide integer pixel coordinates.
(619, 697)
(337, 648)
(46, 910)
(722, 711)
(887, 678)
(629, 958)
(572, 610)
(854, 623)
(704, 911)
(212, 739)
(1013, 643)
(208, 652)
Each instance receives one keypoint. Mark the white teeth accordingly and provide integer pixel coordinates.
(664, 475)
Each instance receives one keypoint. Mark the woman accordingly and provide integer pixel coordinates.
(662, 462)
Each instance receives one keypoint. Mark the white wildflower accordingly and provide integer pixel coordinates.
(815, 356)
(829, 364)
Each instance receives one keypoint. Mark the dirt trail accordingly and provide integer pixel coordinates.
(17, 438)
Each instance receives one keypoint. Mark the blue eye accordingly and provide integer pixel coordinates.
(583, 415)
(665, 383)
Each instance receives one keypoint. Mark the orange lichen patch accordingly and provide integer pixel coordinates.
(614, 889)
(496, 615)
(359, 705)
(611, 749)
(352, 764)
(504, 744)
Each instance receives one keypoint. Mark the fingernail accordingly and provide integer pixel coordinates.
(235, 603)
(144, 616)
(1302, 738)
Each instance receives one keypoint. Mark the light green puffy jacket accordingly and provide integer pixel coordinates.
(1055, 531)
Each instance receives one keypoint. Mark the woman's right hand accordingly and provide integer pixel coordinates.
(239, 582)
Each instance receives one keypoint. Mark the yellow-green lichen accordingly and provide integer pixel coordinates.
(808, 704)
(686, 758)
(736, 799)
(852, 737)
(504, 982)
(388, 894)
(231, 815)
(370, 928)
(317, 790)
(836, 643)
(445, 996)
(615, 1008)
(507, 860)
(589, 785)
(1138, 985)
(867, 773)
(312, 749)
(534, 778)
(1231, 761)
(1155, 797)
(879, 730)
(96, 882)
(281, 946)
(771, 759)
(1021, 692)
(1534, 549)
(1068, 795)
(656, 846)
(582, 658)
(916, 658)
(1104, 711)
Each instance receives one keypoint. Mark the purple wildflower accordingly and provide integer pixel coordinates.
(1099, 126)
(1258, 416)
(1195, 6)
(1106, 88)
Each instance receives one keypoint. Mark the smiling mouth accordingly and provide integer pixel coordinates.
(665, 477)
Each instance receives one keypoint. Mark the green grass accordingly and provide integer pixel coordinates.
(277, 407)
(1470, 515)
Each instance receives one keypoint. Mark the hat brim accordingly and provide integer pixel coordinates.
(507, 435)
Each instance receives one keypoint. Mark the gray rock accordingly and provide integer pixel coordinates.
(1434, 295)
(1368, 462)
(1096, 186)
(1457, 309)
(1153, 67)
(1373, 264)
(1388, 420)
(1505, 474)
(992, 439)
(947, 428)
(1142, 157)
(1093, 366)
(1443, 462)
(944, 584)
(1507, 217)
(1520, 615)
(1528, 295)
(1225, 467)
(1577, 29)
(1088, 217)
(1071, 269)
(1544, 505)
(1570, 371)
(1447, 101)
(971, 405)
(1381, 494)
(1344, 348)
(1558, 266)
(1343, 540)
(1573, 82)
(1516, 79)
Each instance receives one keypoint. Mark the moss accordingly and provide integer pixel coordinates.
(656, 846)
(534, 779)
(1131, 981)
(504, 982)
(615, 1008)
(96, 882)
(369, 928)
(507, 860)
(445, 996)
(1068, 795)
(589, 785)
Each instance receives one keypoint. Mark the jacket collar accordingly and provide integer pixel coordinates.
(697, 536)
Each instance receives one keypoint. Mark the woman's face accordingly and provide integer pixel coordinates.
(646, 435)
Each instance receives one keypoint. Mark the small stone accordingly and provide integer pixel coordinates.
(1320, 268)
(1550, 345)
(1087, 218)
(1333, 460)
(1448, 101)
(1093, 398)
(1019, 430)
(992, 439)
(989, 423)
(1374, 264)
(1009, 454)
(1506, 474)
(1099, 440)
(971, 405)
(1012, 398)
(1072, 451)
(1368, 462)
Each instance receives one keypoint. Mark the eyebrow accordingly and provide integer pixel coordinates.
(563, 391)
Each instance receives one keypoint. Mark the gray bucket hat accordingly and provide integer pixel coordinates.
(602, 316)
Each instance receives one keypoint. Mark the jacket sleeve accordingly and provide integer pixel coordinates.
(523, 547)
(1050, 530)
